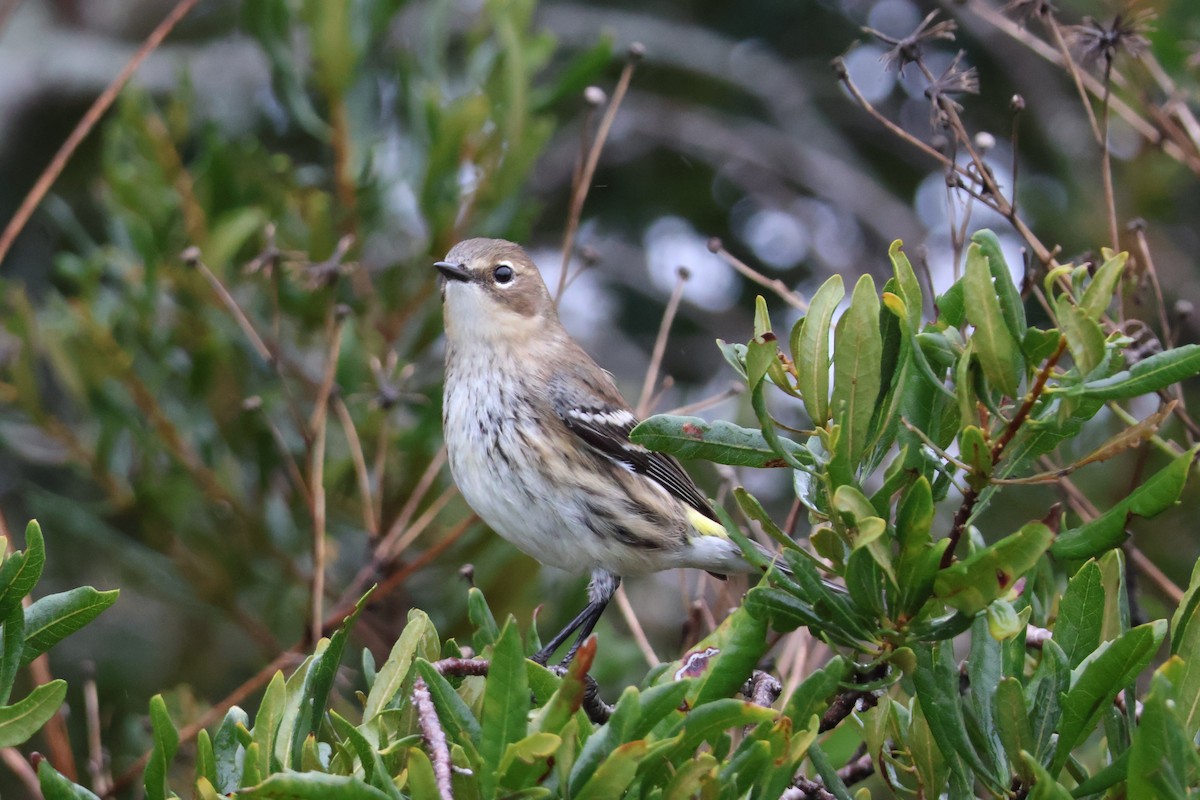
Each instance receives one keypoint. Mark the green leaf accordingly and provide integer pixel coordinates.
(910, 287)
(1045, 787)
(480, 615)
(1099, 293)
(267, 721)
(54, 617)
(989, 573)
(936, 682)
(12, 645)
(721, 662)
(166, 744)
(719, 442)
(229, 752)
(1085, 339)
(24, 718)
(1011, 305)
(951, 305)
(1148, 375)
(810, 349)
(21, 571)
(1081, 614)
(810, 696)
(56, 787)
(318, 680)
(1162, 760)
(1043, 695)
(1113, 667)
(206, 759)
(1157, 494)
(615, 773)
(505, 705)
(455, 715)
(319, 786)
(419, 637)
(1012, 724)
(993, 339)
(858, 348)
(1185, 643)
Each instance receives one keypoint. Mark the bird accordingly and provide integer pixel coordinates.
(537, 436)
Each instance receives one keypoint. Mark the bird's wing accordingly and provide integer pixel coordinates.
(604, 423)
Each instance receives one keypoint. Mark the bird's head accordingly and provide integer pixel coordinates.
(493, 289)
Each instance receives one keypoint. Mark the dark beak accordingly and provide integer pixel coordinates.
(453, 272)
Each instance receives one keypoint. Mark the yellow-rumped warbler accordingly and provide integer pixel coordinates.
(538, 438)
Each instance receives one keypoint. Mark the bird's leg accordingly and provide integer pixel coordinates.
(603, 586)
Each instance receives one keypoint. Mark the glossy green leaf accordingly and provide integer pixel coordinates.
(987, 574)
(56, 787)
(718, 441)
(453, 712)
(229, 753)
(480, 615)
(1045, 787)
(1085, 339)
(206, 760)
(12, 646)
(951, 305)
(1163, 761)
(936, 682)
(166, 744)
(54, 617)
(418, 638)
(909, 285)
(993, 339)
(1148, 375)
(810, 696)
(704, 723)
(1098, 679)
(1012, 724)
(1011, 306)
(615, 773)
(320, 786)
(1157, 494)
(318, 681)
(858, 348)
(1081, 614)
(25, 717)
(1185, 643)
(22, 570)
(1099, 293)
(1038, 345)
(810, 349)
(505, 705)
(266, 722)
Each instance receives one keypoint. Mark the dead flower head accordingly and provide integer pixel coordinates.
(1024, 10)
(955, 80)
(908, 49)
(1103, 43)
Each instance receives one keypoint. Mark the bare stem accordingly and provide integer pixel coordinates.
(635, 627)
(660, 343)
(774, 285)
(92, 116)
(580, 191)
(370, 522)
(434, 736)
(1110, 200)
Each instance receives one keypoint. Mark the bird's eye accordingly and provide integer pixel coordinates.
(503, 273)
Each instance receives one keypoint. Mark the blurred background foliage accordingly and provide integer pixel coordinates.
(304, 162)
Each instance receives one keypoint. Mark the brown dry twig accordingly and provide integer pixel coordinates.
(85, 125)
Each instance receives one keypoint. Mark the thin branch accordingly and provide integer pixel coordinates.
(97, 765)
(21, 767)
(319, 425)
(580, 191)
(191, 257)
(772, 284)
(370, 522)
(92, 116)
(635, 627)
(434, 736)
(733, 390)
(660, 343)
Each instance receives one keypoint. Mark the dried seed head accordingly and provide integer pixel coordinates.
(909, 49)
(1126, 34)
